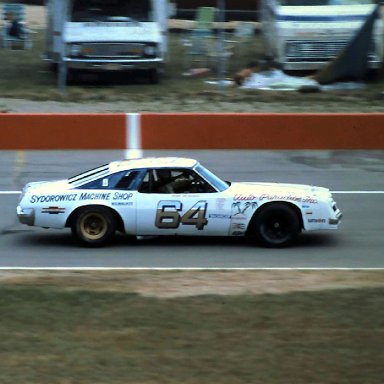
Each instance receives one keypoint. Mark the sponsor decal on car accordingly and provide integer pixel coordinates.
(245, 197)
(220, 204)
(308, 199)
(53, 210)
(124, 203)
(122, 196)
(280, 197)
(53, 198)
(319, 221)
(219, 216)
(240, 208)
(81, 197)
(94, 196)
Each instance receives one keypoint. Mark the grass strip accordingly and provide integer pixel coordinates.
(50, 335)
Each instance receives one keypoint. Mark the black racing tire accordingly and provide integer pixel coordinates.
(94, 226)
(276, 225)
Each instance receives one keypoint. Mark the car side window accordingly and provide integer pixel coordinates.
(125, 180)
(145, 186)
(128, 182)
(167, 181)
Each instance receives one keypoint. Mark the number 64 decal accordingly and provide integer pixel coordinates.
(168, 215)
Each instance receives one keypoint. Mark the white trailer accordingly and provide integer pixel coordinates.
(108, 35)
(306, 34)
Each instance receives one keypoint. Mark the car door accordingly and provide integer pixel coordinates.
(123, 187)
(185, 205)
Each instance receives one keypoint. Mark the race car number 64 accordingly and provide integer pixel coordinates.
(168, 215)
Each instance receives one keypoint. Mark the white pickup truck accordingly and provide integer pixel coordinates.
(306, 34)
(108, 35)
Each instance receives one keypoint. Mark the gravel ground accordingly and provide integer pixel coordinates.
(178, 283)
(285, 103)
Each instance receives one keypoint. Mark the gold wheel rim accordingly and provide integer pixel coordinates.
(93, 226)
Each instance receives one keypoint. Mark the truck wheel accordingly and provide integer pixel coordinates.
(276, 225)
(94, 226)
(73, 76)
(154, 76)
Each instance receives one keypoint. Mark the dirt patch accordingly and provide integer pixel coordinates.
(183, 283)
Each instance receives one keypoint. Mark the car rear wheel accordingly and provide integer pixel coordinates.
(276, 225)
(94, 227)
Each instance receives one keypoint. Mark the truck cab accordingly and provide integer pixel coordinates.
(305, 35)
(108, 35)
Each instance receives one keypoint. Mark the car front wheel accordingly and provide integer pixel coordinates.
(94, 227)
(276, 225)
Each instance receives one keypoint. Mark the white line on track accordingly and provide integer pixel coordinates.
(334, 192)
(186, 268)
(358, 192)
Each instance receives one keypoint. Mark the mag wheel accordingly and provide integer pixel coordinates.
(94, 227)
(277, 225)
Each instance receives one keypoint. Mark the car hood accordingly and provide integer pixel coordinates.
(47, 186)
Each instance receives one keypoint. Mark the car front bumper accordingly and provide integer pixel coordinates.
(336, 220)
(26, 215)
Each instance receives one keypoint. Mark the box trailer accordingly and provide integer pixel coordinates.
(108, 35)
(306, 34)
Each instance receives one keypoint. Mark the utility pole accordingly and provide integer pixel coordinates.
(221, 45)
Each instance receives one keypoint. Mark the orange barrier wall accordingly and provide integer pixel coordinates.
(263, 131)
(62, 131)
(193, 131)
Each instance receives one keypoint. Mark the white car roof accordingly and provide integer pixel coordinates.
(152, 162)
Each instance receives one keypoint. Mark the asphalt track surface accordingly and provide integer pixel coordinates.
(355, 177)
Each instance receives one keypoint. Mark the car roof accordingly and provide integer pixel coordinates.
(152, 162)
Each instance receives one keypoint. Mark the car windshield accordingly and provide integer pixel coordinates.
(111, 10)
(215, 181)
(324, 2)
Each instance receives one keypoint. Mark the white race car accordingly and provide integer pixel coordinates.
(174, 196)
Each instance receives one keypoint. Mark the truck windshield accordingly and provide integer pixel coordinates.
(324, 2)
(111, 10)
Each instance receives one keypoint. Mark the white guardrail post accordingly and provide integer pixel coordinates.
(133, 136)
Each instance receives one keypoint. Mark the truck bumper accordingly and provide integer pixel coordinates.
(314, 66)
(26, 216)
(113, 65)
